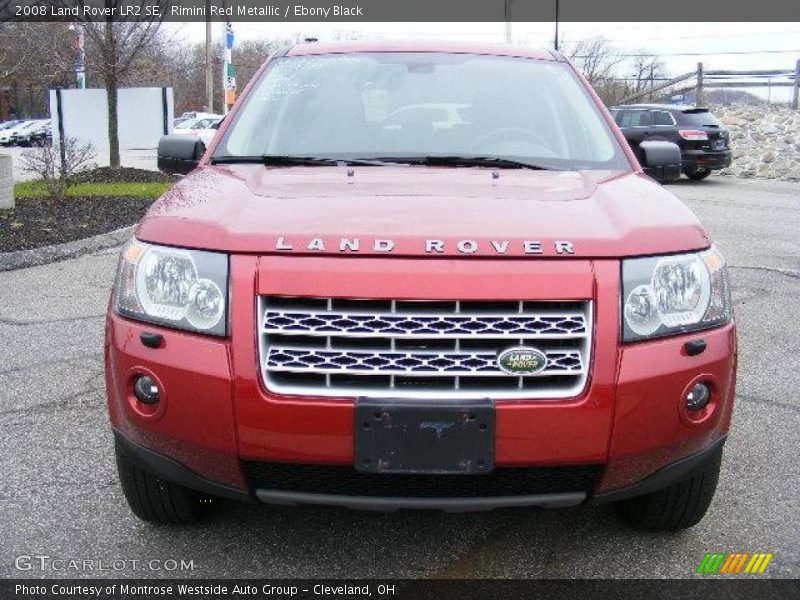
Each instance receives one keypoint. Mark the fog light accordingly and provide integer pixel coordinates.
(698, 397)
(146, 390)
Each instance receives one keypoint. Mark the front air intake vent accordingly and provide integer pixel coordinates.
(346, 481)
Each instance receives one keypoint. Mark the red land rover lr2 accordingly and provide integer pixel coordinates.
(428, 276)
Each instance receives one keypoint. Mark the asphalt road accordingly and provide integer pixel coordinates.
(59, 494)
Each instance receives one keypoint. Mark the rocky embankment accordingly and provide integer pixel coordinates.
(765, 141)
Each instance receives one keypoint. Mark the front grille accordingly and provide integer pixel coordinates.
(420, 348)
(346, 481)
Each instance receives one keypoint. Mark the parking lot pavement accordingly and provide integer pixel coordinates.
(141, 159)
(59, 494)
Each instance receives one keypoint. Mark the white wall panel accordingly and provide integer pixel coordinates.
(140, 116)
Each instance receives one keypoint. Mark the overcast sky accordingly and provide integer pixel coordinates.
(741, 46)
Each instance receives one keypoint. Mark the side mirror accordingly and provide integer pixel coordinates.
(661, 160)
(179, 154)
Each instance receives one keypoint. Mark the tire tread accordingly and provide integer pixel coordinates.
(679, 506)
(154, 499)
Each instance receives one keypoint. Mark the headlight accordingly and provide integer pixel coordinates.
(664, 295)
(179, 288)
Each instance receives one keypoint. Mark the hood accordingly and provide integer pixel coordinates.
(418, 210)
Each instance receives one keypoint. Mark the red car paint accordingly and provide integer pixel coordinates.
(604, 214)
(216, 410)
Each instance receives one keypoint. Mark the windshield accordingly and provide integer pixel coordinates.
(405, 105)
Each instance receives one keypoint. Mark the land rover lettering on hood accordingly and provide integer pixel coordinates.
(420, 276)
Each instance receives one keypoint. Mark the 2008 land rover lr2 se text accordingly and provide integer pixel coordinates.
(420, 277)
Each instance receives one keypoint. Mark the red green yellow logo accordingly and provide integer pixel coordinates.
(734, 564)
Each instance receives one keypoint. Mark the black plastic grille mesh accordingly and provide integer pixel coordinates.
(346, 481)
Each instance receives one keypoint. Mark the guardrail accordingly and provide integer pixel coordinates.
(725, 79)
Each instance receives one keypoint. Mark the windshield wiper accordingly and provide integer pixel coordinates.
(473, 161)
(278, 160)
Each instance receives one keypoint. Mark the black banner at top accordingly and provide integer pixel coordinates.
(364, 11)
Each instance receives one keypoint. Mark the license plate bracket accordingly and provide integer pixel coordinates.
(403, 436)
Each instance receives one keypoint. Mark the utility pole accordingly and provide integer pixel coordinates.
(796, 87)
(209, 66)
(555, 41)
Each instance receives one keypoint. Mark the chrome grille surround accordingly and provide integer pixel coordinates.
(341, 323)
(420, 348)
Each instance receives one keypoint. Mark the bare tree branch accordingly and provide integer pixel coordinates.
(44, 160)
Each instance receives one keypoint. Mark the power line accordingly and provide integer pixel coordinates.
(705, 29)
(721, 53)
(695, 37)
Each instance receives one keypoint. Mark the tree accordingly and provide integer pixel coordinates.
(58, 166)
(599, 61)
(114, 49)
(646, 70)
(117, 46)
(183, 66)
(596, 58)
(33, 58)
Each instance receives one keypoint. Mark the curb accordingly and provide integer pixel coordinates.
(21, 259)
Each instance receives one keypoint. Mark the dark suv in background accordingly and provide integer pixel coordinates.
(701, 138)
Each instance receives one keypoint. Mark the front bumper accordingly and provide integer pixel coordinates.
(216, 417)
(171, 470)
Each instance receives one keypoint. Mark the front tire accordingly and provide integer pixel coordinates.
(676, 507)
(155, 500)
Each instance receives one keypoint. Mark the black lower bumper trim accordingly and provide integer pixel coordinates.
(666, 476)
(445, 504)
(343, 485)
(708, 160)
(345, 481)
(171, 470)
